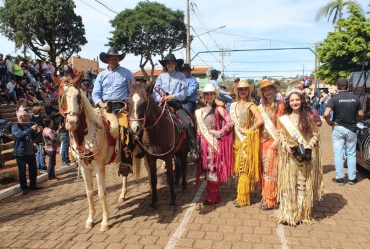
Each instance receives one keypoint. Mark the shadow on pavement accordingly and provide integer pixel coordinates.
(330, 205)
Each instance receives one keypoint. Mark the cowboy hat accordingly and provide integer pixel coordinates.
(237, 79)
(141, 79)
(111, 51)
(186, 66)
(214, 72)
(266, 83)
(208, 89)
(171, 57)
(242, 84)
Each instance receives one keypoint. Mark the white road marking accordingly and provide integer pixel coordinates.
(181, 229)
(280, 232)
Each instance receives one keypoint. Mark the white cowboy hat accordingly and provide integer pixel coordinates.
(208, 89)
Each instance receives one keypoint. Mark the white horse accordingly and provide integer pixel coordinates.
(90, 144)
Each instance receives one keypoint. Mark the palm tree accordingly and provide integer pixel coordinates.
(335, 6)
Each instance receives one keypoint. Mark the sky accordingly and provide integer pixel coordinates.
(281, 32)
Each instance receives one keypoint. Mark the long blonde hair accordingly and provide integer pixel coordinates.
(274, 103)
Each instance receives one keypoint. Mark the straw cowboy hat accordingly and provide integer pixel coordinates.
(171, 57)
(242, 84)
(208, 89)
(111, 51)
(266, 83)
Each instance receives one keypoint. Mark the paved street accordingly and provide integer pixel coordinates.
(55, 216)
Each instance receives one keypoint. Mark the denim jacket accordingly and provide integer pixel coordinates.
(20, 135)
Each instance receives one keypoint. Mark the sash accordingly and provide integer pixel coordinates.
(291, 130)
(211, 141)
(269, 126)
(235, 119)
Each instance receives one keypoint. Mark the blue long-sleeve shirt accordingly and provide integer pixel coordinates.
(174, 84)
(214, 83)
(193, 87)
(112, 85)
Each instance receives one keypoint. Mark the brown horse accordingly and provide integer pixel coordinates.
(89, 143)
(158, 137)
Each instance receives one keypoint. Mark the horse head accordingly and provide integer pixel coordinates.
(70, 102)
(139, 105)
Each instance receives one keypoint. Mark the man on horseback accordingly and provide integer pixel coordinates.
(224, 96)
(193, 85)
(112, 86)
(174, 84)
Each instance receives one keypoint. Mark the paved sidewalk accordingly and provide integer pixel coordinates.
(55, 216)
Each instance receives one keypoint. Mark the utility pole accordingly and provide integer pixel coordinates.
(222, 54)
(188, 32)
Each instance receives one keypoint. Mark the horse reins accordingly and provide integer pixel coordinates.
(155, 123)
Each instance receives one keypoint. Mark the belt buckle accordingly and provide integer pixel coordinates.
(265, 135)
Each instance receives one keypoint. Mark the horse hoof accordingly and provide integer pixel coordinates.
(172, 206)
(88, 225)
(151, 207)
(104, 228)
(121, 200)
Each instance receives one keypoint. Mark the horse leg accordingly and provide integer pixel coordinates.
(87, 176)
(170, 180)
(149, 175)
(184, 168)
(177, 169)
(153, 176)
(100, 177)
(122, 197)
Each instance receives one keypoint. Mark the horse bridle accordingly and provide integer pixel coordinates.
(70, 113)
(147, 110)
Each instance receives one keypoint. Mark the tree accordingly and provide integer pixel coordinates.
(335, 6)
(343, 50)
(34, 23)
(148, 30)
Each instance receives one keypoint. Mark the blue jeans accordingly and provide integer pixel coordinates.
(225, 97)
(190, 106)
(13, 95)
(52, 162)
(322, 109)
(65, 147)
(344, 139)
(41, 165)
(3, 78)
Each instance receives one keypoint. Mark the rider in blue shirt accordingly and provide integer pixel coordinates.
(224, 96)
(193, 85)
(176, 89)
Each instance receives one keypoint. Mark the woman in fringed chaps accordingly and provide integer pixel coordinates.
(215, 144)
(300, 179)
(271, 110)
(247, 121)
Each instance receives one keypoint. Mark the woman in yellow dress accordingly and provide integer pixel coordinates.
(271, 110)
(300, 179)
(247, 121)
(215, 139)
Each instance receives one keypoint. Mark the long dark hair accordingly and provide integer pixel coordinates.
(213, 109)
(306, 119)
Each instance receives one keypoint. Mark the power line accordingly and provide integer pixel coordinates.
(106, 7)
(92, 19)
(205, 45)
(96, 9)
(259, 39)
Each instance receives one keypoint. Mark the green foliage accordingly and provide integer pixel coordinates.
(148, 30)
(343, 50)
(34, 23)
(337, 7)
(8, 177)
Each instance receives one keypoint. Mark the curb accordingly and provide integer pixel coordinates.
(41, 178)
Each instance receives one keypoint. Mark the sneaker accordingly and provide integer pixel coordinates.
(65, 164)
(207, 203)
(3, 103)
(25, 191)
(43, 171)
(340, 181)
(352, 182)
(265, 208)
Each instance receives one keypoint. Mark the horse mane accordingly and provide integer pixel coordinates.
(90, 112)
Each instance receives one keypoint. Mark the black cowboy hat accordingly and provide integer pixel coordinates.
(237, 79)
(214, 72)
(141, 79)
(186, 66)
(171, 57)
(111, 51)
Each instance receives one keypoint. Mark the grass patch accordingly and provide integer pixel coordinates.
(8, 177)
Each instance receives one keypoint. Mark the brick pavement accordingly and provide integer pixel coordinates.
(54, 217)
